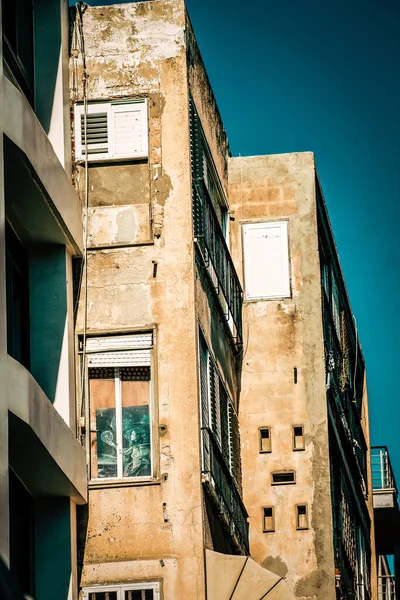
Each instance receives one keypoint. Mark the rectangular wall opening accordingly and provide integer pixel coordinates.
(265, 439)
(283, 477)
(298, 437)
(268, 519)
(301, 516)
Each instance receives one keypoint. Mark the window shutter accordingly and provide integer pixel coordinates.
(121, 351)
(203, 359)
(129, 125)
(335, 305)
(115, 130)
(223, 399)
(266, 260)
(234, 445)
(215, 402)
(120, 342)
(98, 131)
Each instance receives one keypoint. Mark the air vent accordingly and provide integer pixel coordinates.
(283, 477)
(97, 133)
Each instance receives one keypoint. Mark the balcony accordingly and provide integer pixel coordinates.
(222, 490)
(385, 501)
(346, 396)
(386, 587)
(217, 260)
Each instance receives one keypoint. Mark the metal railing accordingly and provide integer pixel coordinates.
(386, 587)
(382, 472)
(217, 258)
(224, 490)
(344, 396)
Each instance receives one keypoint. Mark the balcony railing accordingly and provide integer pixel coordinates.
(224, 492)
(343, 394)
(382, 472)
(386, 587)
(217, 259)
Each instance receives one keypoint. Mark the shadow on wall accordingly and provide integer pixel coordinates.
(36, 274)
(48, 48)
(9, 589)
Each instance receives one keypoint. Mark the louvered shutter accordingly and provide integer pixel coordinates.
(197, 163)
(98, 131)
(223, 399)
(234, 444)
(266, 260)
(215, 402)
(129, 129)
(115, 130)
(203, 360)
(120, 351)
(335, 305)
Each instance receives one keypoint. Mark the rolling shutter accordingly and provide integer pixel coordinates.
(266, 260)
(120, 351)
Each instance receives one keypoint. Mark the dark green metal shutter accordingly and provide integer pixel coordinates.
(234, 443)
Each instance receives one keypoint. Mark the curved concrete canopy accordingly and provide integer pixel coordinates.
(241, 578)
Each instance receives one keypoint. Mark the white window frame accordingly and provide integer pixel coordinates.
(112, 349)
(109, 108)
(286, 291)
(120, 589)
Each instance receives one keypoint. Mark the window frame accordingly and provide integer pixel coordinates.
(303, 447)
(120, 588)
(105, 481)
(283, 473)
(264, 529)
(259, 224)
(260, 430)
(298, 527)
(108, 108)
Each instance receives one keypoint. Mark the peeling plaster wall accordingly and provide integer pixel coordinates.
(138, 50)
(281, 335)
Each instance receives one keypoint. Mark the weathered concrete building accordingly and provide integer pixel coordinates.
(158, 328)
(303, 407)
(42, 464)
(167, 368)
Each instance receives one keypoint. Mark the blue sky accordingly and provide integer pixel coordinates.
(323, 76)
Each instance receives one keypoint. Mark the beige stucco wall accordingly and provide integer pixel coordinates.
(279, 336)
(138, 50)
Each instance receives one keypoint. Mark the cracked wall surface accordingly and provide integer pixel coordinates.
(140, 277)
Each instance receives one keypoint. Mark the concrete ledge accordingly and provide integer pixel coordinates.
(43, 449)
(21, 125)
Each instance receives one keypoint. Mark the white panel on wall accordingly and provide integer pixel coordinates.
(266, 260)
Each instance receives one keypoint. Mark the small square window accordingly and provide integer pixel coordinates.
(298, 437)
(283, 477)
(301, 516)
(268, 519)
(265, 439)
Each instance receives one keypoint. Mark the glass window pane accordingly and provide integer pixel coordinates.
(103, 434)
(139, 595)
(135, 390)
(103, 595)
